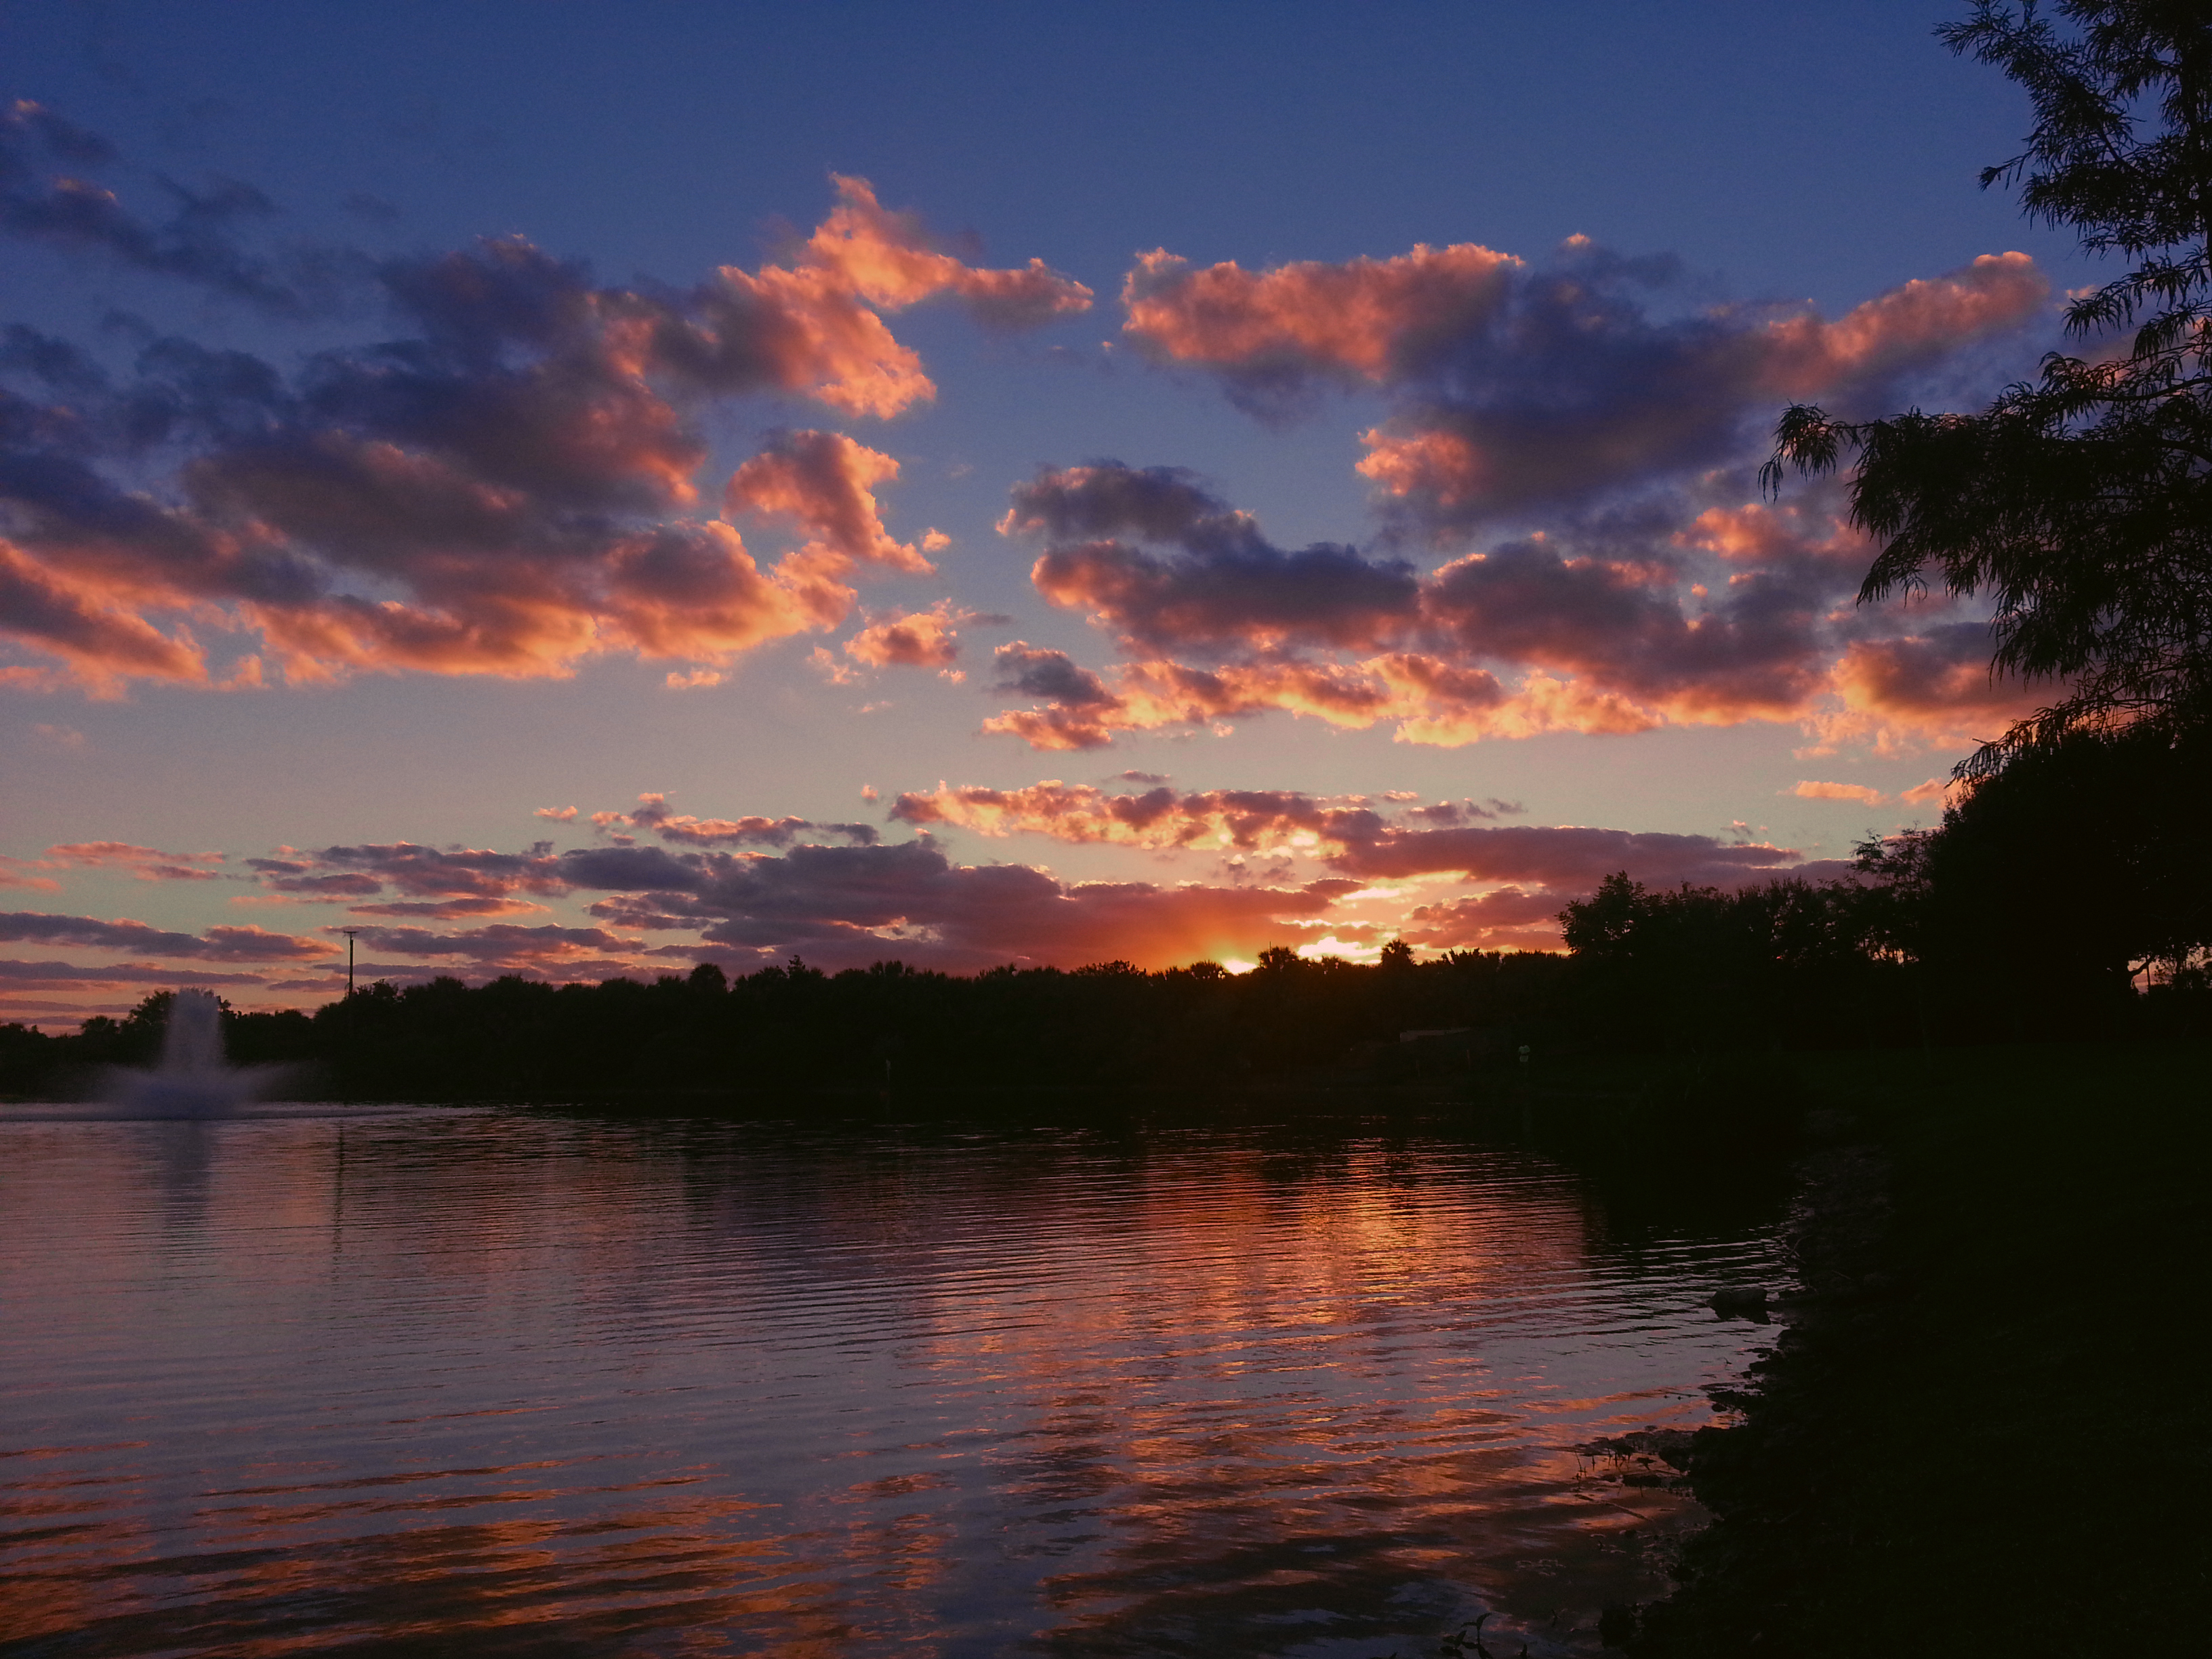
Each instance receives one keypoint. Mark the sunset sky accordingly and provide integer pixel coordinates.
(578, 490)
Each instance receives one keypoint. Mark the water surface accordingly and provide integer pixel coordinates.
(412, 1382)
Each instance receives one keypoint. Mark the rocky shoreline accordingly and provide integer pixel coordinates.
(1749, 1580)
(1979, 1431)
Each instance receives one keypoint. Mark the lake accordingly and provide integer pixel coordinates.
(421, 1381)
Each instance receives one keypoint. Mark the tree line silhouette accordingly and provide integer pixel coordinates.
(2065, 896)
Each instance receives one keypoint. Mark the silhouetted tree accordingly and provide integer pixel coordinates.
(28, 1055)
(2053, 884)
(1787, 962)
(2082, 504)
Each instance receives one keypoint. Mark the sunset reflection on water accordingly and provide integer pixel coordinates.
(376, 1382)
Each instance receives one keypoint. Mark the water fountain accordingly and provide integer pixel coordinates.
(192, 1078)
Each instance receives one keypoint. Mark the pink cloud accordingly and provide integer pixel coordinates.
(824, 482)
(218, 943)
(1931, 689)
(1606, 631)
(889, 260)
(1224, 584)
(498, 943)
(1432, 700)
(145, 863)
(1803, 357)
(1578, 390)
(654, 815)
(447, 909)
(1363, 318)
(101, 639)
(1810, 790)
(17, 872)
(1356, 837)
(510, 492)
(16, 976)
(1503, 919)
(921, 639)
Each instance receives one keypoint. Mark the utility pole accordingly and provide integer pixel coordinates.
(349, 932)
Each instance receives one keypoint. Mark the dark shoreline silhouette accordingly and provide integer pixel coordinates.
(1692, 973)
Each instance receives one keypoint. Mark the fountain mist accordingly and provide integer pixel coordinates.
(192, 1078)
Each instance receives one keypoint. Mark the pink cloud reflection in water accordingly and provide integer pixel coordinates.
(527, 1385)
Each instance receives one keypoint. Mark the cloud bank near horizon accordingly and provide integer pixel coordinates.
(657, 889)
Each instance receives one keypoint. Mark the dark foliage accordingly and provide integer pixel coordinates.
(796, 1028)
(2081, 504)
(1789, 964)
(2055, 885)
(1977, 1434)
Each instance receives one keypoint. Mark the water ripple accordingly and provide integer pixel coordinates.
(375, 1384)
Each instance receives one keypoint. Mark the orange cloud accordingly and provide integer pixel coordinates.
(921, 639)
(653, 815)
(90, 626)
(824, 482)
(1577, 389)
(218, 943)
(1509, 918)
(1247, 820)
(145, 863)
(807, 332)
(1352, 834)
(1437, 465)
(1525, 638)
(1431, 701)
(1758, 532)
(17, 872)
(1809, 790)
(1931, 689)
(1804, 356)
(514, 501)
(886, 258)
(1363, 317)
(1529, 872)
(812, 327)
(683, 588)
